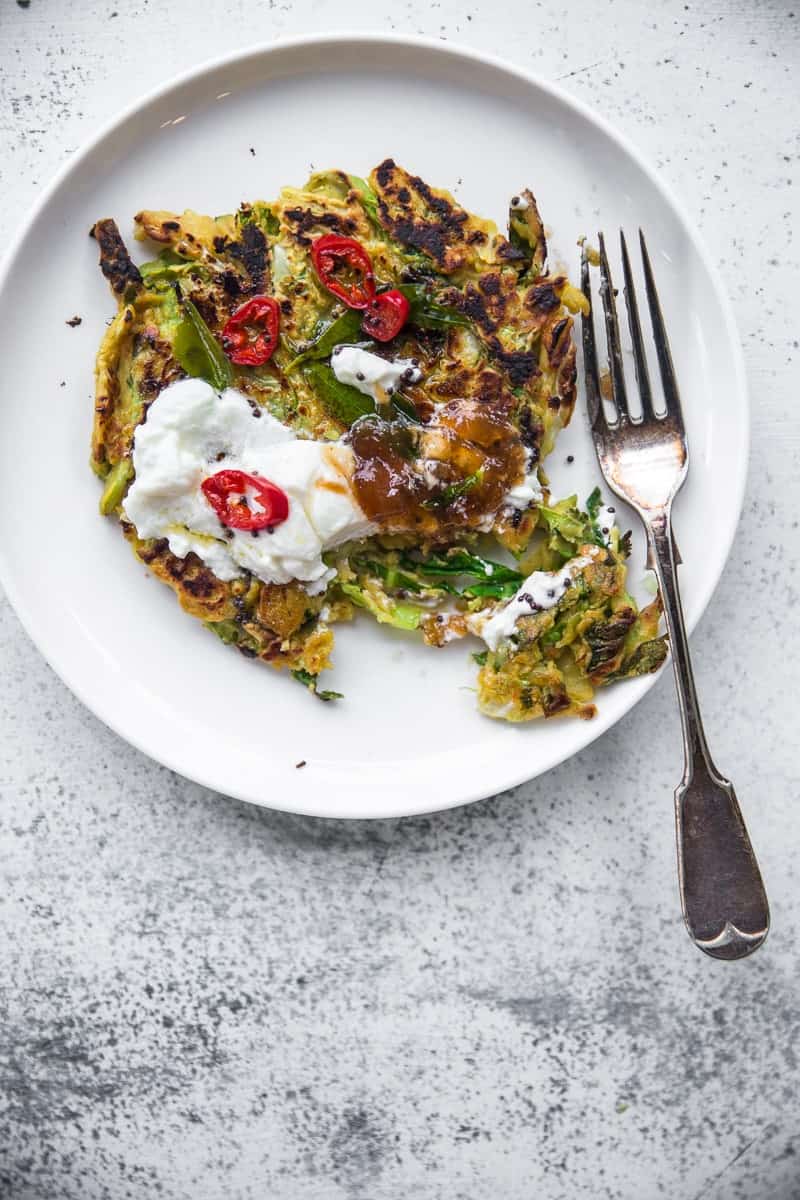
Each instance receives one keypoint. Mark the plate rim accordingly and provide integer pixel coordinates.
(455, 51)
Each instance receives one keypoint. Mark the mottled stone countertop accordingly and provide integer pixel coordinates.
(205, 1001)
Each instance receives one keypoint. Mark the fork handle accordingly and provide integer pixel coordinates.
(722, 895)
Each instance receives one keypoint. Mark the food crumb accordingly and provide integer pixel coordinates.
(74, 321)
(302, 763)
(252, 151)
(63, 383)
(570, 458)
(606, 387)
(592, 254)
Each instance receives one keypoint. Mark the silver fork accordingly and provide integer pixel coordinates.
(645, 461)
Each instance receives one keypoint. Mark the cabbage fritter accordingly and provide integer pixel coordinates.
(491, 332)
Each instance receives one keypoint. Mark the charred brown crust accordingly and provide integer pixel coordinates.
(554, 703)
(440, 236)
(567, 383)
(422, 220)
(542, 298)
(115, 262)
(251, 252)
(520, 365)
(532, 245)
(607, 641)
(531, 432)
(509, 253)
(199, 591)
(157, 366)
(163, 232)
(557, 340)
(303, 220)
(486, 303)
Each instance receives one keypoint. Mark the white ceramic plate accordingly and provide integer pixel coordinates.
(407, 738)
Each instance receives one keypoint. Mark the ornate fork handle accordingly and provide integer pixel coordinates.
(722, 895)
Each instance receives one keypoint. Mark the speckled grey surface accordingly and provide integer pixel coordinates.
(201, 1000)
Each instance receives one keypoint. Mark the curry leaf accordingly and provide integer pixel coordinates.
(426, 313)
(198, 351)
(344, 328)
(342, 402)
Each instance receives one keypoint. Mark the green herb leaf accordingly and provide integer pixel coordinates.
(198, 351)
(498, 591)
(425, 313)
(462, 562)
(344, 328)
(342, 402)
(593, 503)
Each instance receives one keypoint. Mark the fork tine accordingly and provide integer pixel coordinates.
(594, 403)
(618, 392)
(668, 381)
(635, 325)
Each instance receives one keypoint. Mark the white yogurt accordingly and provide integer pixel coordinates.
(192, 432)
(606, 520)
(527, 491)
(541, 590)
(370, 374)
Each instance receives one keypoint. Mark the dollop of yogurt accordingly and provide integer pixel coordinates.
(192, 432)
(527, 491)
(541, 590)
(370, 374)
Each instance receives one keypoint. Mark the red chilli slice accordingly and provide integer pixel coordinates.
(386, 315)
(345, 268)
(251, 333)
(227, 493)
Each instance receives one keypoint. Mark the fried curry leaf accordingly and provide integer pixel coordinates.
(425, 313)
(198, 351)
(344, 328)
(342, 402)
